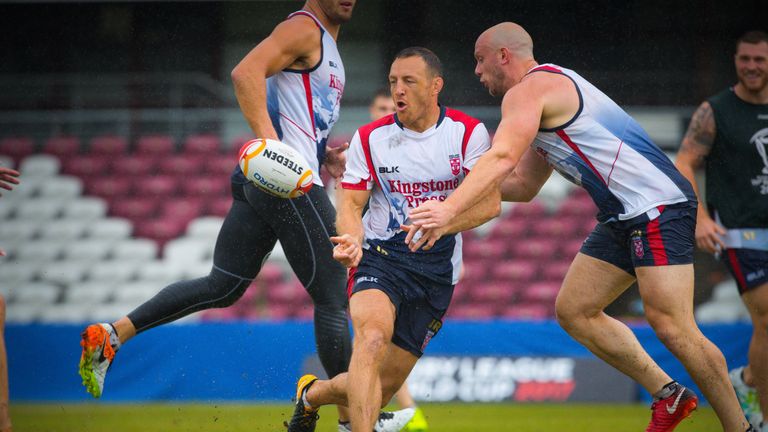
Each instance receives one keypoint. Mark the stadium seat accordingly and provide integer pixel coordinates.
(135, 250)
(91, 250)
(7, 161)
(555, 271)
(109, 229)
(40, 165)
(219, 314)
(17, 147)
(577, 208)
(511, 228)
(107, 312)
(531, 210)
(62, 146)
(238, 142)
(108, 145)
(208, 186)
(183, 209)
(206, 227)
(23, 313)
(18, 230)
(219, 206)
(471, 311)
(160, 229)
(134, 208)
(63, 230)
(133, 294)
(187, 250)
(110, 187)
(36, 293)
(29, 187)
(160, 273)
(89, 293)
(498, 293)
(39, 251)
(15, 272)
(65, 313)
(271, 273)
(62, 188)
(489, 248)
(552, 228)
(534, 248)
(515, 270)
(155, 145)
(134, 166)
(85, 209)
(112, 272)
(285, 293)
(527, 311)
(41, 210)
(221, 165)
(156, 186)
(201, 144)
(540, 292)
(183, 165)
(7, 209)
(86, 166)
(64, 272)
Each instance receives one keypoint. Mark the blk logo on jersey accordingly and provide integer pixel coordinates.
(455, 162)
(389, 170)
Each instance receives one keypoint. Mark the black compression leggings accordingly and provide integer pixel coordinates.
(249, 233)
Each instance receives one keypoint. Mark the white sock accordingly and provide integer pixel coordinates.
(114, 339)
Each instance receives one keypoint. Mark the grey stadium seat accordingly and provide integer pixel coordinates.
(160, 272)
(90, 293)
(62, 188)
(63, 229)
(40, 165)
(65, 272)
(138, 250)
(188, 250)
(18, 230)
(23, 313)
(39, 210)
(38, 251)
(65, 313)
(85, 209)
(110, 229)
(111, 271)
(93, 250)
(205, 227)
(36, 293)
(14, 273)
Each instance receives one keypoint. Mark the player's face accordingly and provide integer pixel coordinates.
(488, 69)
(412, 88)
(381, 106)
(338, 11)
(752, 65)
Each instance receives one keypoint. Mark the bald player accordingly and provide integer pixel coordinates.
(552, 118)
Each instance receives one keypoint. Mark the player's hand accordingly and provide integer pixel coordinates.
(8, 178)
(336, 160)
(432, 214)
(418, 236)
(709, 234)
(347, 250)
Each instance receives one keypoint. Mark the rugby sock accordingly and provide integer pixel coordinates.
(667, 391)
(304, 398)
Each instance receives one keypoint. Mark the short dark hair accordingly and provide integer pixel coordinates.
(752, 37)
(382, 92)
(434, 65)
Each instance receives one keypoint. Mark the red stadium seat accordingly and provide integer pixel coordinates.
(555, 271)
(109, 187)
(497, 293)
(488, 248)
(109, 144)
(535, 248)
(271, 274)
(160, 185)
(531, 210)
(527, 311)
(471, 311)
(161, 229)
(202, 144)
(219, 206)
(134, 208)
(512, 228)
(515, 270)
(186, 208)
(542, 292)
(475, 270)
(155, 145)
(219, 314)
(187, 166)
(134, 165)
(17, 147)
(62, 146)
(221, 165)
(206, 186)
(286, 293)
(578, 207)
(552, 227)
(86, 165)
(238, 142)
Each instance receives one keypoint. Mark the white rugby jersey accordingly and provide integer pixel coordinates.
(608, 153)
(304, 104)
(404, 168)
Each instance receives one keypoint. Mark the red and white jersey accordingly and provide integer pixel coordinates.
(304, 104)
(404, 168)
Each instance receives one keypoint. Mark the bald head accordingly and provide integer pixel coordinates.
(511, 36)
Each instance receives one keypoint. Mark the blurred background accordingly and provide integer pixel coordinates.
(122, 119)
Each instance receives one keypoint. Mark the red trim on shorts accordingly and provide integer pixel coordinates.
(736, 268)
(308, 91)
(351, 281)
(564, 136)
(363, 185)
(655, 242)
(469, 126)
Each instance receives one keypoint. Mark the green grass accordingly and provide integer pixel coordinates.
(269, 418)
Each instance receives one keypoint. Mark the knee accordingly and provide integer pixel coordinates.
(572, 317)
(371, 341)
(668, 329)
(225, 290)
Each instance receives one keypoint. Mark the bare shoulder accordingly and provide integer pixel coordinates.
(557, 96)
(299, 31)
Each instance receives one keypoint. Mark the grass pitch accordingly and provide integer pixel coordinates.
(269, 418)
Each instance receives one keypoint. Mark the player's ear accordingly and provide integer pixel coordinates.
(437, 85)
(504, 55)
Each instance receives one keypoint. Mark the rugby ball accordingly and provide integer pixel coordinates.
(276, 168)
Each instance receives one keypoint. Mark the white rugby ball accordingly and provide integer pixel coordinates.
(275, 168)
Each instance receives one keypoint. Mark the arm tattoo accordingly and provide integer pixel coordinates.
(701, 132)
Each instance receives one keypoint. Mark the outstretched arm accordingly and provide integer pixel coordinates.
(526, 180)
(696, 145)
(292, 42)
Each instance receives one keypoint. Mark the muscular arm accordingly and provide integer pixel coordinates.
(526, 180)
(292, 42)
(350, 209)
(480, 213)
(696, 145)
